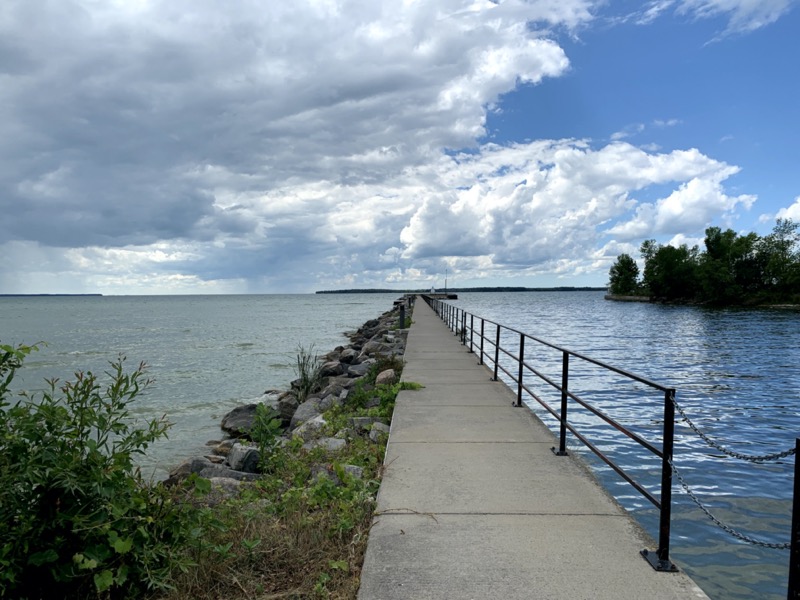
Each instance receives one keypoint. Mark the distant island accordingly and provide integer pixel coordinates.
(467, 289)
(42, 295)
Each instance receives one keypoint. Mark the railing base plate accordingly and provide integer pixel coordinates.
(559, 452)
(657, 563)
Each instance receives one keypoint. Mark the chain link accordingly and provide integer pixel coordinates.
(724, 450)
(720, 524)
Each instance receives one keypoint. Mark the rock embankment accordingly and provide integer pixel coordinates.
(236, 458)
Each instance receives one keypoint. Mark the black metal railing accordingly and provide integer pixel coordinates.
(485, 338)
(472, 330)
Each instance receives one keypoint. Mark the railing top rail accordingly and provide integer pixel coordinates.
(599, 363)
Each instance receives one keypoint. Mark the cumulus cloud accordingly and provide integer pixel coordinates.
(156, 147)
(790, 212)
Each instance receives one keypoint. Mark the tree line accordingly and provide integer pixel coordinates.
(733, 269)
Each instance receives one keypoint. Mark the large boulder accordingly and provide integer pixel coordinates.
(387, 377)
(309, 409)
(331, 369)
(287, 405)
(328, 444)
(239, 421)
(308, 430)
(220, 471)
(376, 347)
(360, 369)
(244, 458)
(349, 356)
(186, 468)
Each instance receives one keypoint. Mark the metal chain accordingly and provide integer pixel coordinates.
(724, 450)
(719, 523)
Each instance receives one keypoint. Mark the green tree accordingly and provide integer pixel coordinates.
(623, 277)
(778, 253)
(717, 268)
(670, 273)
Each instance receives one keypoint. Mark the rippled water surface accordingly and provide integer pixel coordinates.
(737, 375)
(207, 354)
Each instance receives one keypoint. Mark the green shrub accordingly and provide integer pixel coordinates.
(77, 520)
(266, 432)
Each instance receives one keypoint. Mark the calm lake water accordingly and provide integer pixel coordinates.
(737, 375)
(207, 354)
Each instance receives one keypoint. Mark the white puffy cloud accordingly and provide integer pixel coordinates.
(790, 212)
(546, 206)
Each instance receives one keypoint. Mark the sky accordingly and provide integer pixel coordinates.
(205, 147)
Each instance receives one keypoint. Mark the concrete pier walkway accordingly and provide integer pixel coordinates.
(474, 505)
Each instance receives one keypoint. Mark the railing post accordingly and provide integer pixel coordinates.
(660, 558)
(480, 362)
(496, 351)
(793, 592)
(471, 330)
(562, 436)
(521, 358)
(463, 328)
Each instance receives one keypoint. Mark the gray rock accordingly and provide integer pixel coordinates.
(364, 423)
(239, 421)
(192, 465)
(244, 458)
(308, 430)
(287, 404)
(186, 468)
(219, 471)
(386, 377)
(377, 431)
(360, 369)
(375, 347)
(348, 356)
(334, 387)
(224, 447)
(329, 444)
(222, 488)
(354, 471)
(306, 411)
(331, 369)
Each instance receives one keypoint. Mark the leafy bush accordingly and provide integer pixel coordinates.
(266, 432)
(76, 517)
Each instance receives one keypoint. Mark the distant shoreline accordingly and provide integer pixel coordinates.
(43, 295)
(467, 289)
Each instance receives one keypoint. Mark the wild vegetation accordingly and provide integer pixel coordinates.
(733, 269)
(77, 520)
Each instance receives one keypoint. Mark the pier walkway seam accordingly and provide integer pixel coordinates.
(474, 504)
